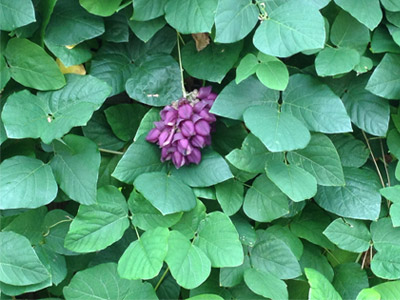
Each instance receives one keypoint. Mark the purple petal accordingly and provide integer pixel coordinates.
(187, 128)
(177, 136)
(159, 125)
(185, 111)
(164, 111)
(170, 117)
(208, 140)
(163, 137)
(198, 141)
(212, 96)
(178, 159)
(199, 106)
(153, 135)
(208, 103)
(196, 117)
(194, 157)
(184, 147)
(210, 118)
(204, 92)
(202, 127)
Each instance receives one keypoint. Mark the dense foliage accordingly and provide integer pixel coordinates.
(296, 195)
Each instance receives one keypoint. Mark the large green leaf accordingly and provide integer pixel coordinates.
(77, 180)
(141, 157)
(216, 237)
(54, 263)
(26, 182)
(292, 27)
(385, 79)
(292, 180)
(144, 257)
(234, 22)
(264, 202)
(148, 9)
(190, 220)
(352, 152)
(31, 66)
(266, 284)
(15, 14)
(230, 196)
(272, 72)
(103, 282)
(367, 12)
(212, 169)
(391, 5)
(285, 235)
(167, 193)
(97, 226)
(384, 234)
(235, 99)
(50, 115)
(19, 264)
(229, 277)
(145, 30)
(64, 29)
(367, 111)
(102, 8)
(313, 257)
(156, 81)
(358, 199)
(279, 131)
(191, 16)
(188, 264)
(70, 57)
(248, 66)
(320, 287)
(388, 290)
(4, 72)
(320, 159)
(275, 257)
(393, 142)
(348, 234)
(314, 103)
(211, 63)
(386, 263)
(334, 61)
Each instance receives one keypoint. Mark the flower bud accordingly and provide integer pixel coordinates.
(153, 135)
(210, 118)
(170, 117)
(204, 92)
(195, 156)
(184, 147)
(185, 111)
(178, 159)
(187, 128)
(198, 141)
(202, 128)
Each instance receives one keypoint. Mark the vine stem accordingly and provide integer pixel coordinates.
(111, 151)
(384, 163)
(161, 279)
(373, 158)
(180, 65)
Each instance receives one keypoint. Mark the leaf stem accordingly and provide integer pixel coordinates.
(69, 219)
(373, 158)
(161, 279)
(180, 65)
(137, 233)
(384, 163)
(111, 151)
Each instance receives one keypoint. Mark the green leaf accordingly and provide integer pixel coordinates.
(190, 220)
(320, 287)
(144, 10)
(124, 119)
(313, 257)
(145, 30)
(102, 8)
(188, 264)
(382, 42)
(360, 104)
(367, 12)
(358, 199)
(365, 65)
(368, 294)
(205, 297)
(216, 237)
(234, 22)
(141, 157)
(103, 282)
(385, 79)
(248, 66)
(388, 290)
(97, 226)
(144, 257)
(4, 72)
(229, 277)
(29, 224)
(146, 216)
(386, 262)
(14, 14)
(291, 28)
(285, 235)
(393, 142)
(50, 115)
(275, 257)
(310, 225)
(26, 182)
(19, 264)
(264, 202)
(347, 32)
(266, 284)
(31, 66)
(234, 98)
(272, 72)
(384, 235)
(320, 159)
(15, 290)
(167, 193)
(147, 122)
(292, 180)
(156, 81)
(334, 61)
(252, 157)
(70, 57)
(117, 29)
(279, 131)
(349, 280)
(211, 63)
(212, 169)
(63, 28)
(54, 263)
(247, 233)
(191, 16)
(352, 152)
(230, 196)
(391, 5)
(314, 103)
(77, 180)
(348, 234)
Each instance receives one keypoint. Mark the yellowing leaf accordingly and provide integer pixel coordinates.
(77, 69)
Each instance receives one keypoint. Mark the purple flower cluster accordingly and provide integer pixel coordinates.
(185, 128)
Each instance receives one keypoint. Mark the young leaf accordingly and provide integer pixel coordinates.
(320, 287)
(230, 196)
